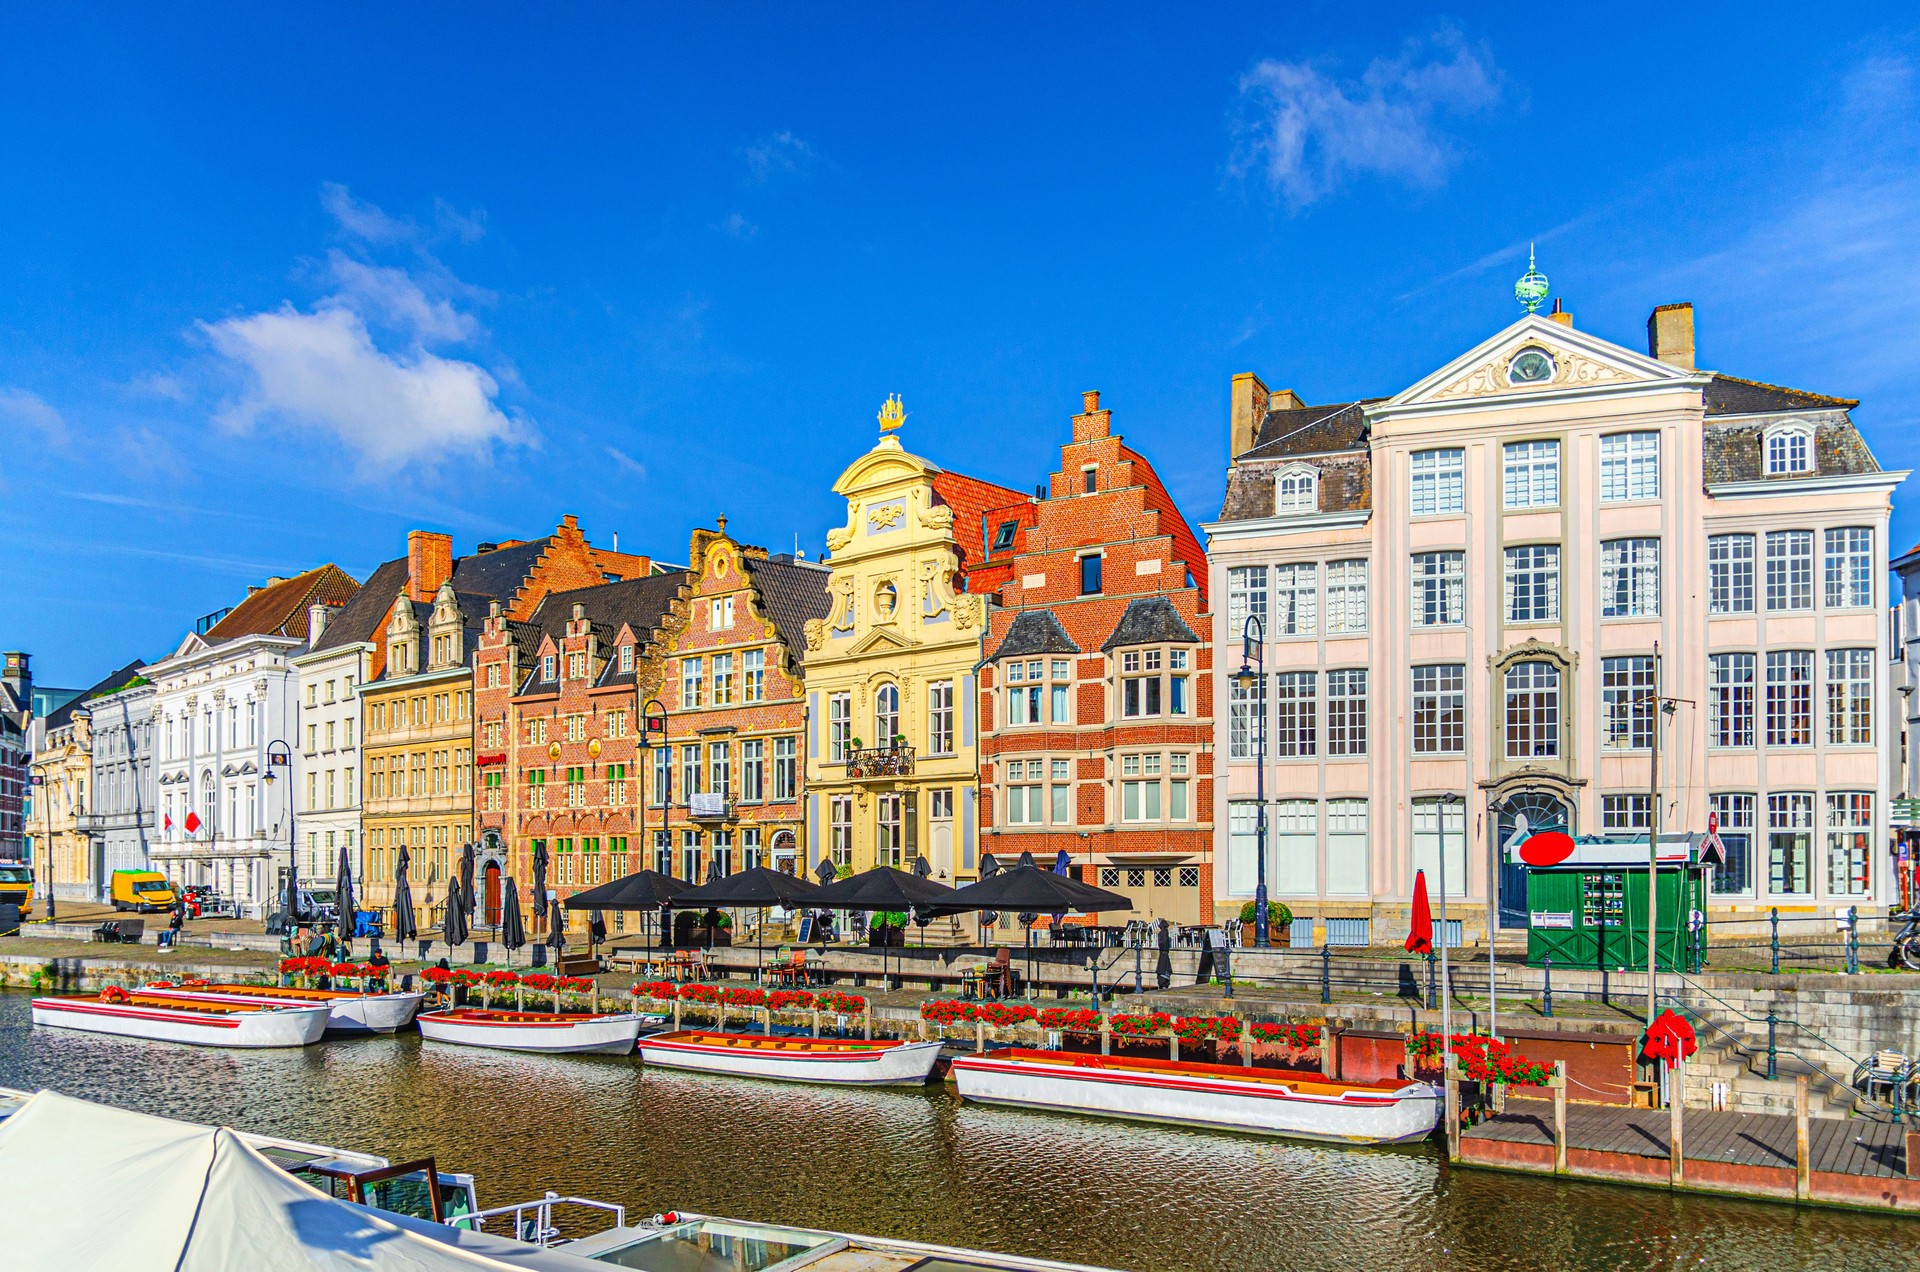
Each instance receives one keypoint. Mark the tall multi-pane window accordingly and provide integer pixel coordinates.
(786, 777)
(1790, 697)
(840, 829)
(691, 682)
(891, 841)
(1060, 793)
(1025, 794)
(839, 726)
(1294, 714)
(662, 774)
(1790, 844)
(1730, 574)
(690, 772)
(1439, 826)
(1347, 844)
(753, 675)
(1789, 451)
(1140, 788)
(1629, 467)
(1347, 711)
(1439, 589)
(1849, 842)
(1630, 578)
(1733, 874)
(886, 715)
(1140, 694)
(1533, 583)
(1346, 597)
(1849, 697)
(1438, 482)
(1246, 595)
(1246, 712)
(1440, 709)
(940, 718)
(1026, 692)
(723, 678)
(753, 770)
(1789, 569)
(1296, 600)
(1626, 812)
(1849, 567)
(1060, 687)
(1730, 700)
(1531, 475)
(1533, 711)
(1626, 701)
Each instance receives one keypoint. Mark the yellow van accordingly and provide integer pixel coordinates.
(16, 886)
(144, 890)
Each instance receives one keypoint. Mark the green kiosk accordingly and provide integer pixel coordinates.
(1588, 909)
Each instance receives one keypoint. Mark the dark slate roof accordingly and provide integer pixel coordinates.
(1035, 632)
(1733, 452)
(501, 572)
(365, 616)
(1150, 620)
(790, 594)
(62, 716)
(1310, 430)
(637, 603)
(1346, 484)
(1729, 395)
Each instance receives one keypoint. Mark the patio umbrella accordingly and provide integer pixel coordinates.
(989, 867)
(539, 881)
(643, 890)
(884, 888)
(1420, 939)
(466, 879)
(513, 932)
(556, 927)
(596, 927)
(404, 928)
(1029, 888)
(757, 889)
(453, 924)
(344, 904)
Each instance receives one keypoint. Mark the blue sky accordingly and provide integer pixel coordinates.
(282, 283)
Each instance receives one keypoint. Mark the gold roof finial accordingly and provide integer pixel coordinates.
(893, 414)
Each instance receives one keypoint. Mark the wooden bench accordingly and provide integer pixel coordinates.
(578, 965)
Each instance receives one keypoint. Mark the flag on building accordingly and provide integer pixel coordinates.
(192, 823)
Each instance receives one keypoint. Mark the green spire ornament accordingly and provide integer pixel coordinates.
(1532, 287)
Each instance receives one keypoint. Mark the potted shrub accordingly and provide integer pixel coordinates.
(887, 927)
(1279, 923)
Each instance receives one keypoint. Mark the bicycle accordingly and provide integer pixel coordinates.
(1906, 943)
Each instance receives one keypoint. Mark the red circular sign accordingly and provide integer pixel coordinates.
(1548, 848)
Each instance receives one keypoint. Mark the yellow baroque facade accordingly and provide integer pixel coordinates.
(889, 678)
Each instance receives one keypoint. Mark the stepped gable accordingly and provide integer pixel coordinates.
(1151, 620)
(281, 607)
(1035, 632)
(791, 594)
(1173, 522)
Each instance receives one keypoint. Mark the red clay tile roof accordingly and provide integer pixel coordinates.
(280, 608)
(971, 499)
(1186, 544)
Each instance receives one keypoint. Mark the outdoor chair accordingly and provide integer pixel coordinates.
(1883, 1069)
(999, 979)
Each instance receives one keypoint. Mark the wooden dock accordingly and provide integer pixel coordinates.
(1833, 1161)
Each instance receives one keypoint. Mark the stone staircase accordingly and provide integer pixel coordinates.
(1732, 1032)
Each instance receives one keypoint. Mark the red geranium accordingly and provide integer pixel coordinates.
(1196, 1028)
(1285, 1034)
(790, 999)
(1483, 1059)
(842, 1004)
(946, 1011)
(666, 991)
(1070, 1020)
(1141, 1026)
(502, 978)
(573, 984)
(700, 993)
(1006, 1013)
(541, 981)
(436, 975)
(747, 997)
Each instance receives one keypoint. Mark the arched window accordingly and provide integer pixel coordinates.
(1789, 450)
(1533, 711)
(1296, 489)
(886, 715)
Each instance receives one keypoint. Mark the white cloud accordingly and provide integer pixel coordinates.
(321, 371)
(778, 153)
(384, 294)
(30, 410)
(738, 226)
(1305, 132)
(364, 220)
(626, 462)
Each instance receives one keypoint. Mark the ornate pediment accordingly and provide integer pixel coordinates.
(882, 638)
(1535, 355)
(1498, 375)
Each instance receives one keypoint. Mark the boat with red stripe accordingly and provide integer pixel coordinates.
(1218, 1096)
(549, 1031)
(849, 1062)
(161, 1017)
(348, 1012)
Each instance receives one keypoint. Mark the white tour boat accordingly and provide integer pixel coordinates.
(558, 1032)
(1226, 1097)
(347, 1011)
(164, 1018)
(881, 1063)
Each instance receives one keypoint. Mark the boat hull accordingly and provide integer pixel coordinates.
(346, 1013)
(856, 1064)
(583, 1035)
(1209, 1096)
(270, 1026)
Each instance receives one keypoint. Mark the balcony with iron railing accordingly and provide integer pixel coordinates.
(711, 806)
(880, 762)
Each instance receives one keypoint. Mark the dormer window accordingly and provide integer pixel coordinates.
(626, 658)
(547, 664)
(1789, 450)
(1003, 537)
(1296, 489)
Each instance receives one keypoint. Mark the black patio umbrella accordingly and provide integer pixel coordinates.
(755, 889)
(556, 927)
(466, 880)
(884, 888)
(539, 881)
(344, 904)
(513, 932)
(596, 927)
(643, 890)
(989, 867)
(404, 928)
(1028, 887)
(453, 924)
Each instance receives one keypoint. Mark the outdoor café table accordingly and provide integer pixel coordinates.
(973, 982)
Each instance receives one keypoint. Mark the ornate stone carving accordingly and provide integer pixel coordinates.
(1570, 370)
(886, 516)
(838, 538)
(816, 633)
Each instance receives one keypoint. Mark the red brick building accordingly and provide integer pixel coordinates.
(725, 790)
(1096, 699)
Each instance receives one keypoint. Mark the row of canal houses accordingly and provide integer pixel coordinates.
(1472, 593)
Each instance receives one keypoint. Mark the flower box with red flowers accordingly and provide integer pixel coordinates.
(1285, 1033)
(842, 1004)
(790, 1000)
(700, 993)
(1481, 1059)
(746, 998)
(946, 1011)
(502, 978)
(663, 991)
(574, 984)
(1203, 1028)
(1002, 1014)
(1141, 1026)
(1070, 1019)
(542, 982)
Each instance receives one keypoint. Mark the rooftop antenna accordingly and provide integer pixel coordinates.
(1532, 287)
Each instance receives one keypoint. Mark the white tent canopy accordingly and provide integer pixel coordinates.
(99, 1187)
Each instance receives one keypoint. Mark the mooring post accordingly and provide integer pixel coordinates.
(1802, 1156)
(867, 1018)
(1773, 1049)
(816, 1022)
(1453, 1113)
(1106, 1037)
(1173, 1048)
(1676, 1104)
(979, 1036)
(676, 1015)
(1546, 983)
(1773, 919)
(519, 997)
(1559, 1117)
(1326, 974)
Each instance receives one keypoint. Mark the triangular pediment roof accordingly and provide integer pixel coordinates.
(888, 637)
(1582, 363)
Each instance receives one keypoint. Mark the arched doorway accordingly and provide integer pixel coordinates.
(1523, 813)
(490, 892)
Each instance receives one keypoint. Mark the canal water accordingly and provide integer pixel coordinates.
(919, 1164)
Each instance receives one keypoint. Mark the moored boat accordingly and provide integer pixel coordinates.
(347, 1011)
(879, 1063)
(163, 1018)
(1225, 1097)
(557, 1032)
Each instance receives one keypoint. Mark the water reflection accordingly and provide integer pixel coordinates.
(920, 1164)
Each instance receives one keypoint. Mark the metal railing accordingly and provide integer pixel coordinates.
(1794, 942)
(890, 761)
(541, 1229)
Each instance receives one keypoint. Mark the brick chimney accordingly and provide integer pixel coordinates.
(1559, 314)
(429, 564)
(1251, 402)
(1670, 334)
(1092, 422)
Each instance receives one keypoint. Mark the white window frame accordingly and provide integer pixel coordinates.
(1296, 490)
(1789, 571)
(1730, 575)
(1848, 567)
(1530, 474)
(1347, 597)
(1441, 577)
(1437, 482)
(1630, 578)
(1629, 467)
(1531, 693)
(1787, 450)
(1538, 565)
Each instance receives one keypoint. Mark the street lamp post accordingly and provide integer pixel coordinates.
(278, 759)
(653, 720)
(1252, 679)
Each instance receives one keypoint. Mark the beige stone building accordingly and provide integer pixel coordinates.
(1472, 589)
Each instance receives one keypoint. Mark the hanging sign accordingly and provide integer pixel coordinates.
(1548, 848)
(1712, 851)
